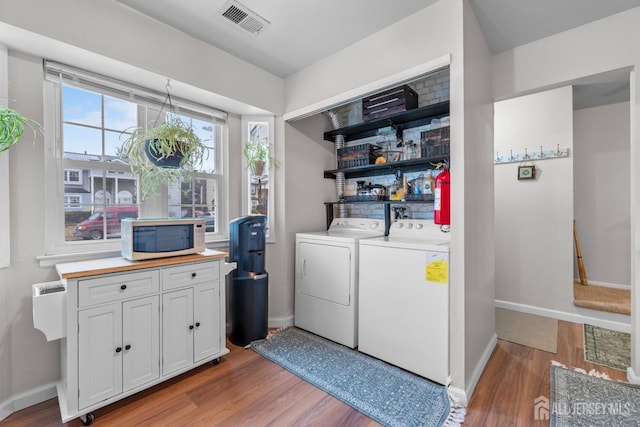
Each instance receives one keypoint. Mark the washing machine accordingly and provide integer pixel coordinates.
(326, 281)
(404, 298)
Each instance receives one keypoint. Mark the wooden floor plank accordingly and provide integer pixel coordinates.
(245, 389)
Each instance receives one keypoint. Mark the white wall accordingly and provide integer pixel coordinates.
(33, 361)
(601, 177)
(534, 218)
(601, 46)
(431, 33)
(476, 168)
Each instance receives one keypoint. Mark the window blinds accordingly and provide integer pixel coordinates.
(61, 73)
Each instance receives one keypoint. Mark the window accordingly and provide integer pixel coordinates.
(72, 202)
(258, 183)
(73, 176)
(92, 115)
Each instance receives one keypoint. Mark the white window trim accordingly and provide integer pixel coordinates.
(67, 181)
(56, 248)
(246, 188)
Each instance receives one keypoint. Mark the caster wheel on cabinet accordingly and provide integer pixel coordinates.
(214, 362)
(87, 419)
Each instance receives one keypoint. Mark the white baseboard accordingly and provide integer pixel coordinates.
(617, 322)
(632, 377)
(609, 285)
(482, 363)
(280, 322)
(26, 399)
(460, 397)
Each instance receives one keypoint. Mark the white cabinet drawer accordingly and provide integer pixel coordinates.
(189, 275)
(118, 287)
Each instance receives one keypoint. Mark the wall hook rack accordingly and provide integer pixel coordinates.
(527, 156)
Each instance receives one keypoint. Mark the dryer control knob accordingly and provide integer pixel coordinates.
(409, 225)
(374, 225)
(399, 224)
(418, 226)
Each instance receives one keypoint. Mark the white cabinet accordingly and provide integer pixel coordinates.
(99, 365)
(188, 327)
(138, 323)
(177, 330)
(118, 348)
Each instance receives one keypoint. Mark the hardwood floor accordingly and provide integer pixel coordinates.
(247, 390)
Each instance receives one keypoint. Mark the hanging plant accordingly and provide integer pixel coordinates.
(163, 154)
(12, 126)
(258, 155)
(167, 153)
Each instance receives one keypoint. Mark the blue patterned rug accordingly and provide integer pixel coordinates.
(579, 399)
(389, 395)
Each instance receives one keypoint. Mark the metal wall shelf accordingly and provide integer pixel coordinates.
(399, 121)
(405, 166)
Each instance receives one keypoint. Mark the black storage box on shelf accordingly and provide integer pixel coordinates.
(357, 155)
(396, 100)
(435, 142)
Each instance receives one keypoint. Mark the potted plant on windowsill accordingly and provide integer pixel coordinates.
(167, 153)
(258, 155)
(12, 126)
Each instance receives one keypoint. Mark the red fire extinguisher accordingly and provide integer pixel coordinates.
(442, 199)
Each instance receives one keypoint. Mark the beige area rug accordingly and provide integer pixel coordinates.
(602, 298)
(527, 329)
(607, 347)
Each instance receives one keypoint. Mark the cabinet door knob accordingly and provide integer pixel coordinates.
(193, 274)
(190, 326)
(118, 349)
(197, 324)
(127, 347)
(123, 287)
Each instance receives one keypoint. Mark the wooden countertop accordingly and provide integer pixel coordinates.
(70, 270)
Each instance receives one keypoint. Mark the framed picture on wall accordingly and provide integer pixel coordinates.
(526, 172)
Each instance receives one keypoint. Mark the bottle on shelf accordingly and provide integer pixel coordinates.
(428, 182)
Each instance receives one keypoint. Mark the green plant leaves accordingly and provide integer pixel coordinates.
(12, 126)
(171, 137)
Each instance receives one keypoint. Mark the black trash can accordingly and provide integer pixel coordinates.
(249, 287)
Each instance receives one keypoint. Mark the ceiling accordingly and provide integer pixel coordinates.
(299, 33)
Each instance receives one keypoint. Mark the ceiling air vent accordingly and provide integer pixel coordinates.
(243, 17)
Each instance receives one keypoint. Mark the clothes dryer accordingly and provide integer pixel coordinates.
(326, 281)
(404, 298)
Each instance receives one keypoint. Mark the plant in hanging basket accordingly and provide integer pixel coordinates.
(12, 126)
(167, 153)
(258, 155)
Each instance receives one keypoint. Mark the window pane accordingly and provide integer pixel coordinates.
(259, 194)
(82, 107)
(112, 142)
(95, 222)
(119, 115)
(205, 131)
(82, 140)
(196, 201)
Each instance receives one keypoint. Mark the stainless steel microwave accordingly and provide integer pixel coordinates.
(163, 237)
